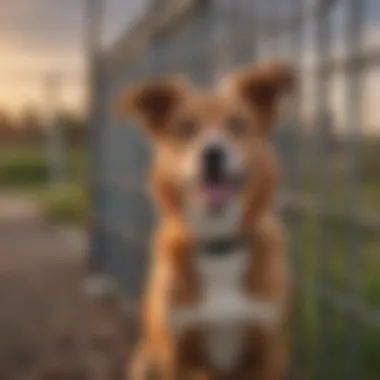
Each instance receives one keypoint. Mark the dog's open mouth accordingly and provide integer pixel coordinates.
(217, 195)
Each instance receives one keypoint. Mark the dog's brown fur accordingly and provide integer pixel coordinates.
(252, 94)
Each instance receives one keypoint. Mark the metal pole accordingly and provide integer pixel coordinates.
(55, 152)
(93, 13)
(323, 234)
(354, 99)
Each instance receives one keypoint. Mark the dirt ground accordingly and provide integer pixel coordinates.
(54, 325)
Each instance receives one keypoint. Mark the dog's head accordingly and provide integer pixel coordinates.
(212, 149)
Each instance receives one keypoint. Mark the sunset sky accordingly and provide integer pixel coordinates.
(38, 36)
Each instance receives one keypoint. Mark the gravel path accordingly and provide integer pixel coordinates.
(50, 328)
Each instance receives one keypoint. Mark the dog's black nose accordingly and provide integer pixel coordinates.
(213, 163)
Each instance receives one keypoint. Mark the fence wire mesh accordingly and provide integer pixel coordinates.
(327, 148)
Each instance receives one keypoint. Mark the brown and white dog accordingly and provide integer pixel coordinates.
(217, 298)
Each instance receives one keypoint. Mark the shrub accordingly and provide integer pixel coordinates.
(66, 205)
(19, 169)
(23, 168)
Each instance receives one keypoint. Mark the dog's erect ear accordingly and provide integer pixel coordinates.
(262, 88)
(153, 102)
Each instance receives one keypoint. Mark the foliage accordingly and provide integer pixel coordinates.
(68, 204)
(22, 169)
(28, 167)
(26, 171)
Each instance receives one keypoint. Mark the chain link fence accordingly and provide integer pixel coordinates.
(328, 148)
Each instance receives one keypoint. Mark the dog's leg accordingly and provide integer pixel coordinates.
(146, 365)
(141, 365)
(197, 375)
(272, 364)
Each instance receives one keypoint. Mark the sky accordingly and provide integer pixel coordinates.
(42, 36)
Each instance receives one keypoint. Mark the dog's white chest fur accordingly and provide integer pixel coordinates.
(224, 309)
(223, 298)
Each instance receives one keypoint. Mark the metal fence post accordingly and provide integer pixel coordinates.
(94, 11)
(55, 145)
(354, 108)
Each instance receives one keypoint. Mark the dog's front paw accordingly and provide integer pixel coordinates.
(265, 314)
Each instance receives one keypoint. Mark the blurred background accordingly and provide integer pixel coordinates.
(74, 214)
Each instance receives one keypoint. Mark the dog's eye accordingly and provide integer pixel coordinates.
(237, 125)
(185, 128)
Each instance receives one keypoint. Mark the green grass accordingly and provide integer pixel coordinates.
(343, 247)
(337, 323)
(25, 171)
(28, 168)
(66, 204)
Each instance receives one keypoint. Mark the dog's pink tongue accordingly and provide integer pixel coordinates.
(217, 195)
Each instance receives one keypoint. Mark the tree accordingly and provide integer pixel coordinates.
(31, 124)
(7, 125)
(74, 126)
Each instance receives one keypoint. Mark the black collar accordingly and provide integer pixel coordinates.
(223, 245)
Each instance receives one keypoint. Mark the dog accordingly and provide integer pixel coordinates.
(217, 300)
